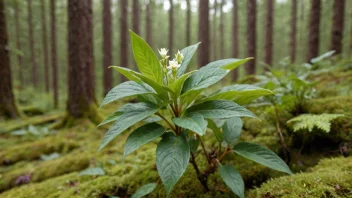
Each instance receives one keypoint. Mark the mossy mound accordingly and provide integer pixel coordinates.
(330, 178)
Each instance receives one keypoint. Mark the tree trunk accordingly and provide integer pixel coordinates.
(338, 26)
(148, 23)
(222, 31)
(171, 27)
(7, 100)
(268, 41)
(31, 45)
(135, 11)
(45, 47)
(18, 44)
(251, 35)
(188, 23)
(293, 31)
(203, 33)
(313, 37)
(235, 36)
(81, 98)
(107, 45)
(54, 54)
(123, 37)
(215, 30)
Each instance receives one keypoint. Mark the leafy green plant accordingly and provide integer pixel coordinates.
(309, 121)
(185, 112)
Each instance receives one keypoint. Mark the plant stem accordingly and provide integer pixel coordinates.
(195, 166)
(205, 152)
(162, 117)
(283, 144)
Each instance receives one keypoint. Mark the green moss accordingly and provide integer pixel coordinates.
(330, 178)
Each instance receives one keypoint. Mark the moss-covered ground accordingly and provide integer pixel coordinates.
(320, 169)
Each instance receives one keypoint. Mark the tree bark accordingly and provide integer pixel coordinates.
(135, 11)
(171, 27)
(215, 30)
(222, 31)
(268, 34)
(188, 23)
(314, 23)
(338, 26)
(148, 23)
(203, 33)
(292, 48)
(81, 98)
(55, 74)
(7, 100)
(107, 46)
(45, 46)
(251, 35)
(123, 37)
(31, 45)
(18, 44)
(235, 36)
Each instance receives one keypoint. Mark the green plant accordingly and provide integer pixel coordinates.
(166, 91)
(309, 121)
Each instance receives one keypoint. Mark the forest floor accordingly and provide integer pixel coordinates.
(36, 161)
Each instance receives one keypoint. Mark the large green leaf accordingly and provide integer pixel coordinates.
(220, 109)
(126, 89)
(194, 122)
(262, 156)
(210, 74)
(127, 73)
(113, 117)
(177, 85)
(216, 130)
(144, 190)
(141, 136)
(232, 179)
(232, 130)
(241, 94)
(188, 53)
(147, 62)
(188, 97)
(172, 157)
(132, 113)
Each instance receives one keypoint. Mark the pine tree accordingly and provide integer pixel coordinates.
(203, 33)
(235, 35)
(313, 36)
(251, 35)
(338, 26)
(54, 54)
(123, 37)
(268, 34)
(45, 46)
(292, 47)
(107, 46)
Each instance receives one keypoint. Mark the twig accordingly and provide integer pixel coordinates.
(162, 117)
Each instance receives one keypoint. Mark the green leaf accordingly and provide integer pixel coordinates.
(236, 63)
(172, 157)
(193, 143)
(216, 130)
(141, 136)
(220, 109)
(127, 73)
(132, 113)
(189, 96)
(144, 190)
(92, 172)
(126, 89)
(232, 179)
(194, 122)
(323, 56)
(188, 53)
(152, 119)
(262, 156)
(210, 74)
(147, 62)
(241, 94)
(232, 130)
(113, 117)
(177, 85)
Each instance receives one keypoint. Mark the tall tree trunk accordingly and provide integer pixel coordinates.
(215, 30)
(268, 41)
(314, 23)
(203, 33)
(31, 45)
(222, 31)
(107, 45)
(45, 47)
(235, 36)
(7, 100)
(54, 54)
(135, 11)
(148, 23)
(123, 37)
(171, 27)
(292, 49)
(338, 26)
(81, 98)
(251, 35)
(18, 44)
(188, 23)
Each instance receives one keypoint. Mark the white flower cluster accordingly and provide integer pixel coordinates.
(176, 62)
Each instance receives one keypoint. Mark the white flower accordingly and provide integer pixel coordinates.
(163, 52)
(179, 57)
(173, 65)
